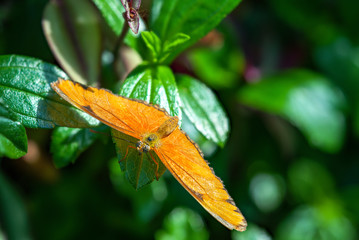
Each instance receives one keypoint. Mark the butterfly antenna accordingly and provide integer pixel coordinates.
(126, 140)
(106, 134)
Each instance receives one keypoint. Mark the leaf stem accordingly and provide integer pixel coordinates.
(118, 46)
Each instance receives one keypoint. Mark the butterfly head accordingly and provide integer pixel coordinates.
(142, 147)
(147, 142)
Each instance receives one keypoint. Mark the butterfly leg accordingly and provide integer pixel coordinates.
(128, 147)
(157, 165)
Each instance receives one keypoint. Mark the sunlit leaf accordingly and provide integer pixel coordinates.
(172, 44)
(154, 84)
(72, 29)
(25, 89)
(208, 147)
(153, 43)
(307, 100)
(203, 109)
(161, 50)
(194, 18)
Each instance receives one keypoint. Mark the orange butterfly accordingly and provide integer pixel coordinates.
(158, 132)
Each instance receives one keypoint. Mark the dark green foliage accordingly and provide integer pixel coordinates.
(307, 100)
(274, 85)
(68, 143)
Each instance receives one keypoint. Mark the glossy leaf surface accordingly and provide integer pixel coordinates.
(25, 89)
(194, 18)
(203, 109)
(154, 84)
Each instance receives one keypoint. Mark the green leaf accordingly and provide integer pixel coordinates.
(13, 139)
(72, 29)
(203, 109)
(153, 43)
(307, 100)
(207, 146)
(175, 41)
(160, 51)
(194, 18)
(112, 10)
(13, 213)
(171, 44)
(68, 143)
(154, 84)
(140, 169)
(25, 89)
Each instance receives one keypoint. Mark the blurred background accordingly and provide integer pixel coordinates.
(287, 74)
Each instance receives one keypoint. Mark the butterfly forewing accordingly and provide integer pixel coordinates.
(132, 117)
(184, 160)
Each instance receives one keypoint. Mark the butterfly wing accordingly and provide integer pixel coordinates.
(132, 117)
(131, 14)
(125, 5)
(136, 4)
(184, 160)
(133, 20)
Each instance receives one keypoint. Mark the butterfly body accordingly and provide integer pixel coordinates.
(150, 141)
